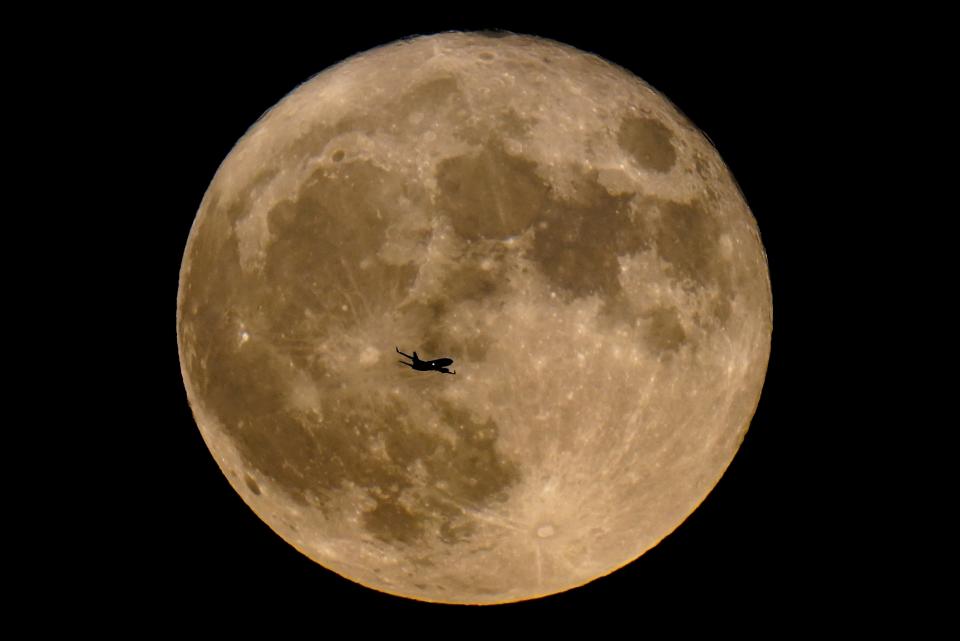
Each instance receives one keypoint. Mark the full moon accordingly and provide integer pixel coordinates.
(535, 213)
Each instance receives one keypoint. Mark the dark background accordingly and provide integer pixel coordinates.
(777, 537)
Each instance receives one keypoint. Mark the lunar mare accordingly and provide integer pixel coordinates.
(536, 213)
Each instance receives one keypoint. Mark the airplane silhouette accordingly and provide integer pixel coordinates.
(438, 365)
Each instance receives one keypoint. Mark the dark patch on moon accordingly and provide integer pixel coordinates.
(429, 96)
(391, 522)
(313, 139)
(664, 332)
(649, 142)
(239, 204)
(687, 237)
(490, 194)
(311, 460)
(472, 473)
(577, 245)
(511, 124)
(452, 532)
(479, 273)
(311, 273)
(316, 237)
(473, 468)
(205, 319)
(251, 484)
(338, 217)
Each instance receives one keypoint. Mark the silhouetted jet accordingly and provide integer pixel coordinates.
(438, 365)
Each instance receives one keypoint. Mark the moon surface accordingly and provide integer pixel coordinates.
(536, 213)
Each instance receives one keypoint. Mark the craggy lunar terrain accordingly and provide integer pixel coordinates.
(534, 212)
